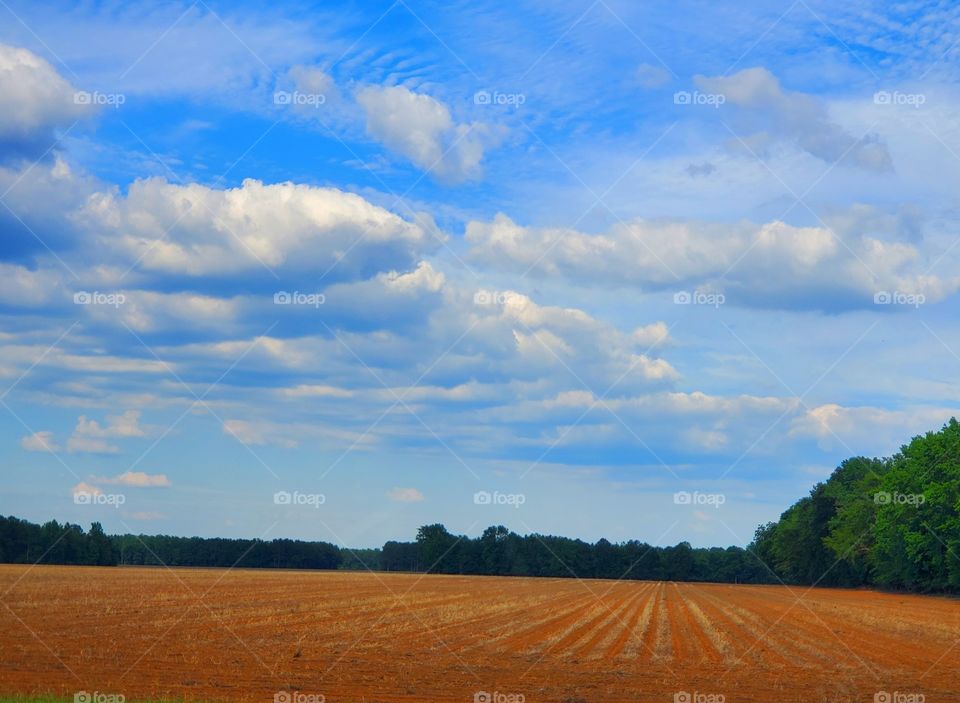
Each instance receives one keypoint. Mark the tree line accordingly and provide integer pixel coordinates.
(498, 551)
(155, 550)
(892, 522)
(24, 542)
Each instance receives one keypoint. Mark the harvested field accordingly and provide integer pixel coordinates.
(210, 634)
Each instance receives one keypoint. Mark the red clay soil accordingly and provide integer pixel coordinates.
(221, 635)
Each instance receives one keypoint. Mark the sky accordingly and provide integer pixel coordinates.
(595, 269)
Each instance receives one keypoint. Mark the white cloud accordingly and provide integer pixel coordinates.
(90, 437)
(124, 425)
(137, 479)
(477, 347)
(795, 116)
(405, 495)
(148, 311)
(525, 340)
(34, 101)
(835, 426)
(315, 391)
(769, 265)
(21, 286)
(314, 82)
(39, 442)
(707, 440)
(424, 277)
(85, 489)
(290, 435)
(86, 445)
(195, 230)
(255, 433)
(652, 334)
(422, 129)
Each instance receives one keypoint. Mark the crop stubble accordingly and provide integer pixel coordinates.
(208, 634)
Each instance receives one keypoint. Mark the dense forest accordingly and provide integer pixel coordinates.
(241, 553)
(24, 542)
(893, 523)
(499, 551)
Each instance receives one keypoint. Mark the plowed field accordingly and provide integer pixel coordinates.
(260, 635)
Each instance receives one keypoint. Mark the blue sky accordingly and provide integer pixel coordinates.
(589, 253)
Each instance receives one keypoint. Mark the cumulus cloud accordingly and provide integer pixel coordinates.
(798, 117)
(835, 426)
(424, 277)
(23, 287)
(468, 352)
(654, 333)
(422, 129)
(90, 437)
(35, 101)
(39, 442)
(405, 495)
(767, 265)
(193, 230)
(150, 311)
(523, 340)
(126, 424)
(475, 337)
